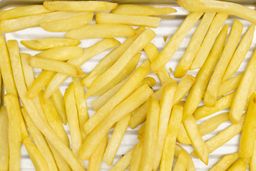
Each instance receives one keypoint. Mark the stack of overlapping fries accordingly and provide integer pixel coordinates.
(170, 109)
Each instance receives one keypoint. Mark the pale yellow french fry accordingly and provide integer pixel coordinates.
(197, 91)
(253, 160)
(101, 31)
(223, 103)
(170, 139)
(238, 165)
(59, 15)
(199, 145)
(194, 45)
(136, 157)
(67, 24)
(79, 6)
(183, 87)
(105, 78)
(211, 94)
(129, 9)
(27, 69)
(182, 162)
(123, 163)
(138, 116)
(4, 143)
(108, 18)
(97, 156)
(48, 43)
(240, 99)
(240, 53)
(209, 40)
(1, 89)
(225, 162)
(182, 136)
(62, 165)
(229, 85)
(58, 101)
(131, 84)
(22, 11)
(73, 119)
(150, 133)
(88, 53)
(166, 105)
(116, 139)
(61, 53)
(137, 98)
(247, 139)
(171, 47)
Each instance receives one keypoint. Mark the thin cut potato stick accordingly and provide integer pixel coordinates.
(116, 139)
(101, 31)
(59, 15)
(209, 40)
(48, 43)
(244, 89)
(197, 92)
(174, 43)
(194, 45)
(138, 116)
(183, 88)
(150, 135)
(108, 18)
(211, 93)
(229, 85)
(27, 69)
(136, 157)
(79, 6)
(253, 159)
(89, 52)
(4, 144)
(225, 162)
(240, 53)
(182, 136)
(129, 9)
(238, 165)
(58, 101)
(182, 162)
(137, 98)
(199, 145)
(124, 162)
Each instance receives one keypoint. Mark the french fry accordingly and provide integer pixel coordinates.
(116, 139)
(138, 116)
(170, 138)
(128, 9)
(73, 119)
(4, 144)
(183, 87)
(88, 53)
(253, 160)
(194, 45)
(225, 162)
(61, 163)
(238, 165)
(209, 40)
(136, 157)
(240, 53)
(247, 139)
(229, 85)
(137, 98)
(56, 66)
(197, 91)
(244, 89)
(211, 93)
(55, 16)
(27, 69)
(223, 103)
(166, 105)
(182, 162)
(48, 43)
(124, 162)
(150, 138)
(182, 136)
(97, 156)
(1, 89)
(61, 53)
(101, 31)
(107, 18)
(79, 6)
(131, 84)
(64, 25)
(200, 147)
(171, 47)
(221, 7)
(58, 101)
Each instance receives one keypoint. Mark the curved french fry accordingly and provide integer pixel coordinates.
(238, 165)
(4, 144)
(225, 162)
(229, 85)
(124, 162)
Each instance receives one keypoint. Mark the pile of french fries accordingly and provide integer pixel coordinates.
(170, 109)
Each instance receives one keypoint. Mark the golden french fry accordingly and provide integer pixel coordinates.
(67, 24)
(48, 43)
(27, 69)
(124, 162)
(79, 6)
(211, 93)
(136, 157)
(116, 139)
(209, 40)
(182, 162)
(197, 91)
(101, 31)
(199, 145)
(225, 162)
(244, 89)
(108, 18)
(183, 88)
(194, 45)
(229, 85)
(240, 53)
(138, 116)
(170, 138)
(61, 53)
(4, 144)
(239, 165)
(58, 101)
(88, 53)
(171, 47)
(253, 160)
(182, 136)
